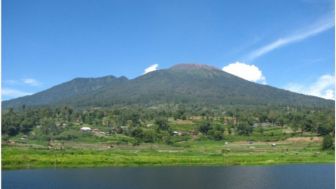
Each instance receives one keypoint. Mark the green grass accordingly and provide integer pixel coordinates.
(202, 152)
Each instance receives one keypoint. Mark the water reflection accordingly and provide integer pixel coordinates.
(235, 177)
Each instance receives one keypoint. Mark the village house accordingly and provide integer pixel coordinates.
(85, 129)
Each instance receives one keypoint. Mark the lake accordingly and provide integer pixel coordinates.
(231, 177)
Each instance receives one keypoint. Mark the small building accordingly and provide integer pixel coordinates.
(180, 133)
(85, 129)
(176, 133)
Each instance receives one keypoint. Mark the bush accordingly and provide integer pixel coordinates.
(149, 136)
(244, 128)
(324, 130)
(137, 133)
(217, 135)
(327, 143)
(204, 127)
(162, 124)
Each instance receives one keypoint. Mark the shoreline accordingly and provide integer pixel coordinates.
(173, 165)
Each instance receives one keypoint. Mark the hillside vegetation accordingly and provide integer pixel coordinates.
(187, 84)
(47, 137)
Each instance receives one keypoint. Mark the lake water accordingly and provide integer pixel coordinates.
(232, 177)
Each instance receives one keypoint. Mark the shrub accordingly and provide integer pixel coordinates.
(327, 142)
(204, 127)
(244, 128)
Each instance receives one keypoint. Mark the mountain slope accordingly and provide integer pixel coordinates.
(180, 84)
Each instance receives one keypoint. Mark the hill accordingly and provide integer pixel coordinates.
(181, 84)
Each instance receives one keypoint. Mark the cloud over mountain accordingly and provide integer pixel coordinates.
(151, 68)
(323, 87)
(249, 72)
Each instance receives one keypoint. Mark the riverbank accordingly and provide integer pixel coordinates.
(196, 153)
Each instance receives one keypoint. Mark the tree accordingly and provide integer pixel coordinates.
(324, 129)
(229, 130)
(216, 134)
(135, 120)
(308, 125)
(180, 113)
(137, 133)
(10, 123)
(204, 127)
(26, 125)
(244, 128)
(49, 127)
(272, 116)
(149, 136)
(162, 124)
(327, 143)
(164, 136)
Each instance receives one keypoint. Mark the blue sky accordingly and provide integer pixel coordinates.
(287, 44)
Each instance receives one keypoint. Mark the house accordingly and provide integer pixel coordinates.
(177, 133)
(180, 133)
(85, 129)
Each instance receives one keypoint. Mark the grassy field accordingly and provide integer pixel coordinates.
(186, 153)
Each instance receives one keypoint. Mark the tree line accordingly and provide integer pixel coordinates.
(213, 122)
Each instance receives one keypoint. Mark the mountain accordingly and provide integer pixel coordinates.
(180, 84)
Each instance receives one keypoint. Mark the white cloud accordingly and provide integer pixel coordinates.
(314, 29)
(323, 87)
(151, 68)
(8, 93)
(31, 82)
(246, 71)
